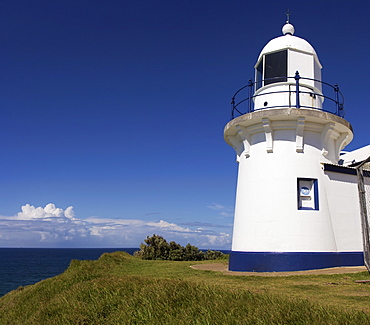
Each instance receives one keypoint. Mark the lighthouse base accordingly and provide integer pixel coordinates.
(291, 261)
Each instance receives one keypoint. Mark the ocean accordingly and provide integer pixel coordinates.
(24, 266)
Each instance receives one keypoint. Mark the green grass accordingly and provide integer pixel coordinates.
(121, 289)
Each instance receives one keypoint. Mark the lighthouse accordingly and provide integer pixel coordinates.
(296, 202)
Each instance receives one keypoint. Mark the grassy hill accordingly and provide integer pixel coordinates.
(122, 289)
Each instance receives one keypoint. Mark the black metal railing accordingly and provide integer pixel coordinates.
(246, 104)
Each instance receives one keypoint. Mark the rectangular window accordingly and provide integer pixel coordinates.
(259, 72)
(276, 67)
(317, 75)
(308, 194)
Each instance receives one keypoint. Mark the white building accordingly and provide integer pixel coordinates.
(297, 205)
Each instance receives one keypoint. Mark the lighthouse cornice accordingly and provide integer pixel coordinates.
(332, 133)
(311, 115)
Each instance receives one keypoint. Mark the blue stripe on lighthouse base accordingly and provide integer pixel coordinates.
(291, 261)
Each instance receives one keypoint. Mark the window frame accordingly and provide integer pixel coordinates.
(312, 196)
(260, 70)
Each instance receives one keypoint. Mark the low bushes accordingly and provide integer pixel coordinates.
(157, 248)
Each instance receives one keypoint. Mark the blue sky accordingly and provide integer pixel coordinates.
(116, 108)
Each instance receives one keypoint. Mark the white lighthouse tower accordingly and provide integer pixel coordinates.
(296, 205)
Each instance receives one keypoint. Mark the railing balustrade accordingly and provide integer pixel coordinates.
(337, 101)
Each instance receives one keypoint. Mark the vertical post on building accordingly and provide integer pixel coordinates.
(232, 107)
(250, 84)
(364, 213)
(336, 90)
(297, 77)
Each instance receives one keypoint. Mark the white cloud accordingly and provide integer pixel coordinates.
(50, 212)
(54, 227)
(222, 210)
(168, 226)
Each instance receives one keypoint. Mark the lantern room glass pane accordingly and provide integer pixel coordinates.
(276, 67)
(259, 73)
(317, 75)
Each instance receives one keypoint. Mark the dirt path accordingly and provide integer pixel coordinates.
(221, 267)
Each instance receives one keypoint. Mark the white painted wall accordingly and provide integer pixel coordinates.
(267, 218)
(283, 94)
(342, 197)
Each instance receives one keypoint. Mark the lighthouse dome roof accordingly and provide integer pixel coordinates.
(288, 41)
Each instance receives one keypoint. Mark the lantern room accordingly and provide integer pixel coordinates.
(281, 63)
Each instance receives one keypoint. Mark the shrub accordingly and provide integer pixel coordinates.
(157, 248)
